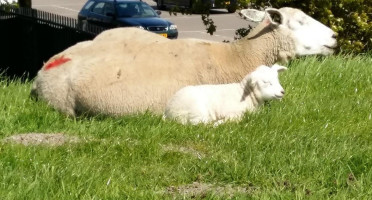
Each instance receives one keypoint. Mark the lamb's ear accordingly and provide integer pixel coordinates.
(247, 84)
(247, 80)
(279, 68)
(252, 15)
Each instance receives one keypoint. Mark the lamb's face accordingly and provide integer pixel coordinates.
(310, 36)
(267, 84)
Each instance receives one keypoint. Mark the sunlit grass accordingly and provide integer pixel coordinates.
(315, 143)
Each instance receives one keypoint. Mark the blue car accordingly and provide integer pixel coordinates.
(125, 13)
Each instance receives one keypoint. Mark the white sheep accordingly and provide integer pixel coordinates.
(219, 103)
(129, 70)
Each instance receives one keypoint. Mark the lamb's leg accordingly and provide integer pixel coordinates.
(199, 120)
(231, 117)
(202, 115)
(218, 122)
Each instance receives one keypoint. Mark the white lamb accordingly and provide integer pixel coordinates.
(219, 103)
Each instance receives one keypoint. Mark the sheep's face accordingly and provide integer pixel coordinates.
(309, 36)
(266, 83)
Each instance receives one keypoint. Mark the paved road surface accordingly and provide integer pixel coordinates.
(189, 26)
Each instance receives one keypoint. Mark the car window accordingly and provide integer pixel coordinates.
(98, 8)
(109, 8)
(88, 5)
(135, 9)
(148, 11)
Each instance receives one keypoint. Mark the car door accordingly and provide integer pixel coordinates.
(109, 16)
(95, 13)
(98, 15)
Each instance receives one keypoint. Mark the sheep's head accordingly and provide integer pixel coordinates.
(309, 36)
(264, 82)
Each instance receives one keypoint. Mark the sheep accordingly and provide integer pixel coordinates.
(129, 70)
(219, 103)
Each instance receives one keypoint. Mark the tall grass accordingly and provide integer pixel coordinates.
(316, 143)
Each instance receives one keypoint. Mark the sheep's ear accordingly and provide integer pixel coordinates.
(274, 16)
(271, 17)
(252, 15)
(279, 68)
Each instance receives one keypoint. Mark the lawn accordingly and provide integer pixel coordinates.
(315, 143)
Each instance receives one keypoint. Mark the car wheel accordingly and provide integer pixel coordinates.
(231, 8)
(160, 4)
(84, 25)
(79, 24)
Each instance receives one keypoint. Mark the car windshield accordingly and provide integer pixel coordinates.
(135, 9)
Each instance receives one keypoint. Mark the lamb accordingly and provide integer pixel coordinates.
(219, 103)
(129, 70)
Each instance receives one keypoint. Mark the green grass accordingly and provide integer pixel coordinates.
(314, 144)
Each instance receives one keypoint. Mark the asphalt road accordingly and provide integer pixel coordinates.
(189, 26)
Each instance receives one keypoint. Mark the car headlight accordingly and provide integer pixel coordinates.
(173, 27)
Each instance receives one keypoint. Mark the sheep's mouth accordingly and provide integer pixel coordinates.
(330, 47)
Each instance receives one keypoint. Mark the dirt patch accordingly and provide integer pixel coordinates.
(54, 139)
(184, 150)
(200, 190)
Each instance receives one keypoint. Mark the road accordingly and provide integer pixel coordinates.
(189, 26)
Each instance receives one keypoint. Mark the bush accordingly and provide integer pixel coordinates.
(6, 5)
(351, 19)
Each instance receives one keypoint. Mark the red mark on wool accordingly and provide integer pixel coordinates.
(57, 62)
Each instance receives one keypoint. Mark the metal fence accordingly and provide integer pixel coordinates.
(29, 37)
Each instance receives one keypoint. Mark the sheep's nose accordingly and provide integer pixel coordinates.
(282, 92)
(335, 35)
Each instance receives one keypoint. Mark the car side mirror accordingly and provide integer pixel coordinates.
(158, 12)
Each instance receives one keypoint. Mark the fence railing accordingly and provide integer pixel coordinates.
(51, 19)
(29, 37)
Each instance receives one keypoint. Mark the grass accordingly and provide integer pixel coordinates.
(314, 144)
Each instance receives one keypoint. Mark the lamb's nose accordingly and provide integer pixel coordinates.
(282, 92)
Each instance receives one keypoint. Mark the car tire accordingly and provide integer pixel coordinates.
(79, 24)
(84, 25)
(231, 9)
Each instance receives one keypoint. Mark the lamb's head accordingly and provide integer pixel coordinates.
(264, 83)
(309, 35)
